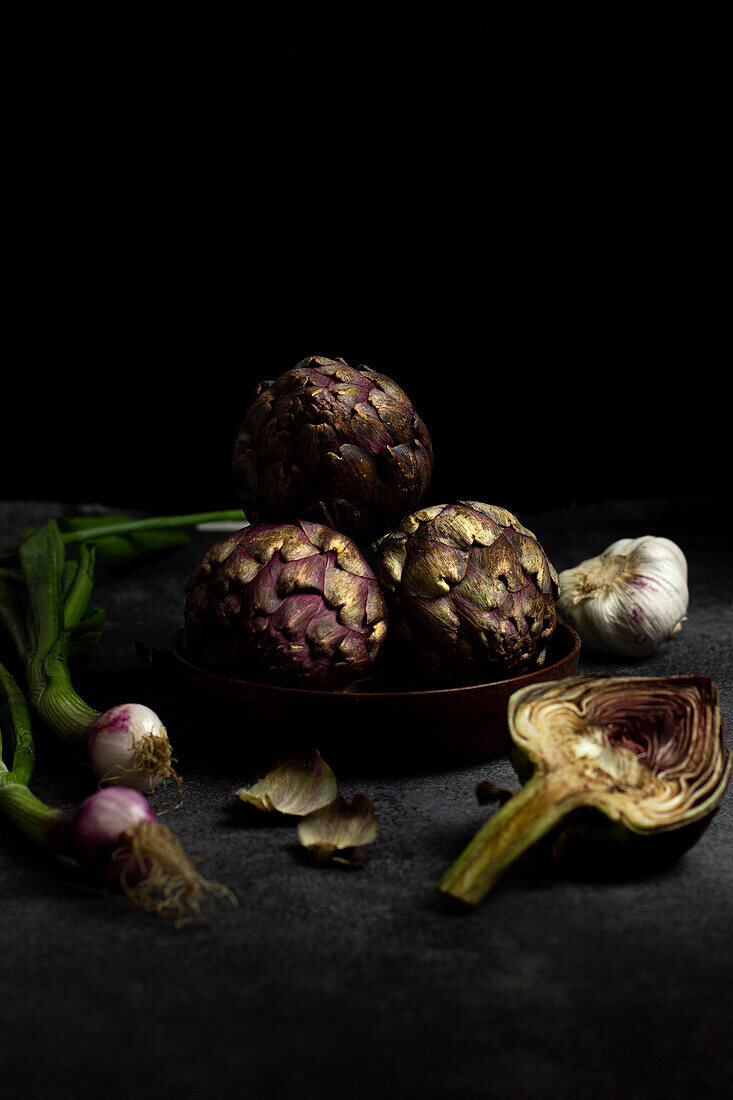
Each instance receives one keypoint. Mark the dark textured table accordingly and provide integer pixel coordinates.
(325, 982)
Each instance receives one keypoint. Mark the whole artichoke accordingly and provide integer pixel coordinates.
(339, 445)
(470, 591)
(291, 604)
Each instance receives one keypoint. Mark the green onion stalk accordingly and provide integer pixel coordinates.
(114, 833)
(118, 538)
(47, 616)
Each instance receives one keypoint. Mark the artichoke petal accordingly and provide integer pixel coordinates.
(352, 472)
(485, 581)
(263, 595)
(340, 830)
(302, 575)
(367, 430)
(437, 618)
(392, 557)
(499, 517)
(351, 649)
(324, 632)
(294, 618)
(403, 466)
(345, 594)
(238, 567)
(432, 571)
(295, 542)
(384, 384)
(298, 786)
(394, 414)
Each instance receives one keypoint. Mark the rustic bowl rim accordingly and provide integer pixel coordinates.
(570, 651)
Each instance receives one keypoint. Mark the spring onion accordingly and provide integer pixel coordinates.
(126, 745)
(113, 833)
(49, 618)
(119, 538)
(46, 612)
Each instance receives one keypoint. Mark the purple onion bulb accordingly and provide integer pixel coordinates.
(105, 819)
(104, 828)
(128, 746)
(115, 832)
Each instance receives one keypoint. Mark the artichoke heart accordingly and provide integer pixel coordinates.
(639, 762)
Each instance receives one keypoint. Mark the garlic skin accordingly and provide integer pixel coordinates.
(629, 599)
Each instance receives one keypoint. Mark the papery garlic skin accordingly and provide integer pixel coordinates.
(629, 599)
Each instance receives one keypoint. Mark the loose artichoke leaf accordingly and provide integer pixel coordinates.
(340, 831)
(298, 786)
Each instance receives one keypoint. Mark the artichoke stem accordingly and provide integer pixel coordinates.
(520, 823)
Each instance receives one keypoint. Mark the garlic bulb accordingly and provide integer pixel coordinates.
(629, 599)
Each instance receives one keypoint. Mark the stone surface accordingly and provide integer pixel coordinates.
(332, 981)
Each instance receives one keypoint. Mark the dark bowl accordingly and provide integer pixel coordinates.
(383, 731)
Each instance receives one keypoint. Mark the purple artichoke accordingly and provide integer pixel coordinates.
(470, 591)
(290, 604)
(335, 444)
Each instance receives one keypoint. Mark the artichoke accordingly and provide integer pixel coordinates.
(470, 591)
(290, 604)
(641, 759)
(335, 444)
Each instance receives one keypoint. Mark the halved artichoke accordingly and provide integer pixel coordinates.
(639, 762)
(336, 444)
(294, 604)
(470, 591)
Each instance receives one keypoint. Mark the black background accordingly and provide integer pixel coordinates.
(514, 209)
(510, 208)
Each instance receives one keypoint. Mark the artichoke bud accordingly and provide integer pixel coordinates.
(291, 604)
(634, 767)
(470, 590)
(339, 445)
